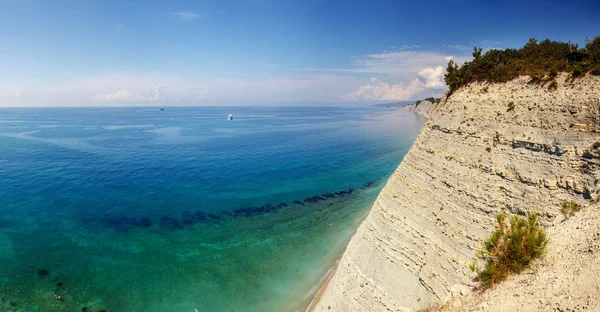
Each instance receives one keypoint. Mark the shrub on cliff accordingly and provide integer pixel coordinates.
(510, 249)
(593, 48)
(540, 60)
(568, 209)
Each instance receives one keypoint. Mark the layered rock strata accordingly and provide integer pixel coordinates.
(514, 147)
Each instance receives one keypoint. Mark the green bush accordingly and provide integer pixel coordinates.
(595, 69)
(510, 249)
(592, 47)
(540, 60)
(578, 70)
(568, 209)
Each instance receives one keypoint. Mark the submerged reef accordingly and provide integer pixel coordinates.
(190, 218)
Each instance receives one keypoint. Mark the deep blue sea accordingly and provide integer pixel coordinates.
(136, 209)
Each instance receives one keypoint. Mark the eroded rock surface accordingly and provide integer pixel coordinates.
(488, 148)
(423, 108)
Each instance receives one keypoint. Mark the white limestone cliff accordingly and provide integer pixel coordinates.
(422, 108)
(512, 147)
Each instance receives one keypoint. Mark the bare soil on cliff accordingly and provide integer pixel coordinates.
(566, 279)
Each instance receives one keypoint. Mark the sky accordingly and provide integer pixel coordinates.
(259, 52)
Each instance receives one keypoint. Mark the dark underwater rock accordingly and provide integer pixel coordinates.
(122, 223)
(188, 221)
(368, 184)
(169, 222)
(43, 273)
(145, 222)
(200, 216)
(309, 200)
(213, 216)
(189, 218)
(241, 212)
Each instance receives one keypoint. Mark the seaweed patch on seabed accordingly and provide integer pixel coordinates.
(57, 296)
(189, 218)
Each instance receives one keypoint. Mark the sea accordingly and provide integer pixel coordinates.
(142, 209)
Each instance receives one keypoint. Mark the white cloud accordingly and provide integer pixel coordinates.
(382, 91)
(397, 75)
(118, 89)
(416, 75)
(456, 46)
(487, 45)
(433, 77)
(402, 64)
(409, 47)
(187, 15)
(18, 92)
(202, 96)
(430, 81)
(124, 95)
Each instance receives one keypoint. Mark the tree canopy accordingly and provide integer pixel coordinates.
(542, 61)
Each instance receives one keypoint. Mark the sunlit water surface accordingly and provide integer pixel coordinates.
(136, 209)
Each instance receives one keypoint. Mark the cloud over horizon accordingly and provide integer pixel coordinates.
(187, 15)
(124, 95)
(387, 76)
(416, 75)
(430, 80)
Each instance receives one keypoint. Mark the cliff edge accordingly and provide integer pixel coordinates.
(424, 107)
(514, 147)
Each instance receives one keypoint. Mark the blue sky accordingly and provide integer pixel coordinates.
(258, 52)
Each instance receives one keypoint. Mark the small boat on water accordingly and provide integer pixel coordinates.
(162, 109)
(230, 117)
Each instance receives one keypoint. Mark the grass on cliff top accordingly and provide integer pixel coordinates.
(540, 60)
(510, 249)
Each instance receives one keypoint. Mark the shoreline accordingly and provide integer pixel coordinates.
(327, 278)
(324, 282)
(481, 154)
(316, 298)
(331, 272)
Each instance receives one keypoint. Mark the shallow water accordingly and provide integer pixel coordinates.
(136, 209)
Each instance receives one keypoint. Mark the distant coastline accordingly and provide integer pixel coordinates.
(408, 103)
(395, 104)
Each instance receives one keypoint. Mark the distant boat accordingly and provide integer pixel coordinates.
(230, 117)
(162, 109)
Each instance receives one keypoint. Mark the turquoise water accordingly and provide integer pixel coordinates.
(136, 209)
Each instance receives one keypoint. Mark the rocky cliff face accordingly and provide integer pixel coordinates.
(488, 148)
(423, 108)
